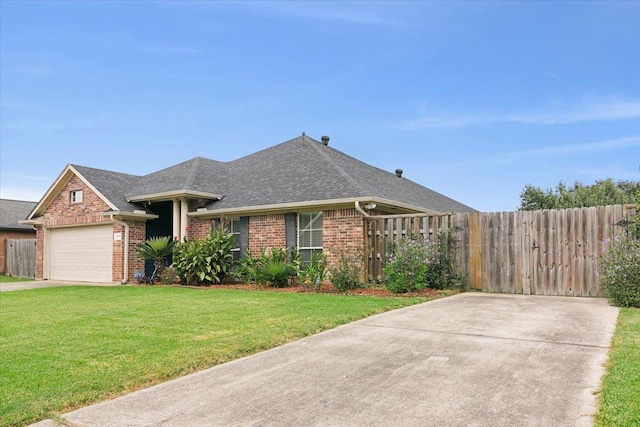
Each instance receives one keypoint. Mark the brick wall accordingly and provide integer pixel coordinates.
(62, 212)
(39, 251)
(199, 228)
(341, 228)
(137, 235)
(266, 231)
(17, 235)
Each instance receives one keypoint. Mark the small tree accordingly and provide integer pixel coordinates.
(156, 249)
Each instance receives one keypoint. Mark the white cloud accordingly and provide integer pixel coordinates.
(609, 110)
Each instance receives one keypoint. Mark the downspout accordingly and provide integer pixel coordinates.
(126, 248)
(362, 211)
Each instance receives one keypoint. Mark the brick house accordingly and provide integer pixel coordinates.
(300, 193)
(12, 211)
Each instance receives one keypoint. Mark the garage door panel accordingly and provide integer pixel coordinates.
(82, 254)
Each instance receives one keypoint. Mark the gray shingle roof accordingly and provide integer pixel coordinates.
(12, 211)
(112, 185)
(304, 169)
(199, 174)
(298, 170)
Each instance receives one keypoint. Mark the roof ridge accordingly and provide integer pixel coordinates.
(191, 177)
(342, 172)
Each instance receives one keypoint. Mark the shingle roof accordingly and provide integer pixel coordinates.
(12, 211)
(198, 174)
(112, 185)
(303, 169)
(299, 170)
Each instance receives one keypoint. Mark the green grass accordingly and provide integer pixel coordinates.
(619, 403)
(63, 348)
(9, 279)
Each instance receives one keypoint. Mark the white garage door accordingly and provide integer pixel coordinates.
(83, 254)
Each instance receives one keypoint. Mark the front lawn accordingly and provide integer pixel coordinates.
(620, 392)
(9, 279)
(63, 348)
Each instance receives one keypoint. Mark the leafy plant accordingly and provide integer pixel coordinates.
(246, 268)
(168, 276)
(619, 271)
(276, 272)
(156, 249)
(416, 263)
(204, 261)
(346, 274)
(312, 273)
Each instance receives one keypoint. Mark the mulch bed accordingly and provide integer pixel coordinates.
(376, 291)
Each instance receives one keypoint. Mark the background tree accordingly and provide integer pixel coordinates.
(603, 192)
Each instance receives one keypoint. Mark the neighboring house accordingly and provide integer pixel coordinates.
(301, 193)
(12, 211)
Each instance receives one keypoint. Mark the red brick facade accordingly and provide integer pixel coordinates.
(341, 228)
(266, 231)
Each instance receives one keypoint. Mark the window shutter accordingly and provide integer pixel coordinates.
(215, 224)
(290, 230)
(244, 235)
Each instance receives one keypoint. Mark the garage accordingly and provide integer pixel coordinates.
(82, 254)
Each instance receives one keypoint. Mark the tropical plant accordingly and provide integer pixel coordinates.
(312, 273)
(274, 269)
(204, 261)
(158, 250)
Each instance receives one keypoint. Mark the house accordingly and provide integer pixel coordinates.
(299, 193)
(12, 211)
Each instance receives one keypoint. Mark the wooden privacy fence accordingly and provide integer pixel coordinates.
(21, 258)
(546, 252)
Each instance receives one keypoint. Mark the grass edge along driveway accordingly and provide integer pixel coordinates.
(64, 348)
(619, 397)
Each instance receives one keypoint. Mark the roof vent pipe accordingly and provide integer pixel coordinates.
(399, 173)
(325, 140)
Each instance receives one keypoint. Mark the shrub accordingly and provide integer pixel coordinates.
(416, 263)
(169, 276)
(619, 271)
(346, 274)
(246, 268)
(158, 250)
(204, 261)
(312, 273)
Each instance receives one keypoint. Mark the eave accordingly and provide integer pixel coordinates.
(176, 194)
(311, 204)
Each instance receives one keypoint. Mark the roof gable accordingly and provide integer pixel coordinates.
(198, 176)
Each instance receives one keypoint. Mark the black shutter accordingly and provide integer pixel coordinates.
(290, 230)
(244, 235)
(215, 224)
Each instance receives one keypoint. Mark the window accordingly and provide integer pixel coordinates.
(76, 196)
(309, 234)
(234, 230)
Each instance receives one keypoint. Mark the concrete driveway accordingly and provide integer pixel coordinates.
(22, 286)
(469, 360)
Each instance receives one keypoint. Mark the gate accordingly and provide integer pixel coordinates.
(21, 258)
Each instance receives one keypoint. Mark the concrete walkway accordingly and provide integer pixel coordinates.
(469, 360)
(21, 286)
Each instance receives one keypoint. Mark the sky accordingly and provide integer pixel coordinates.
(474, 100)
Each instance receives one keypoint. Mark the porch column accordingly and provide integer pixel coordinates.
(176, 219)
(183, 219)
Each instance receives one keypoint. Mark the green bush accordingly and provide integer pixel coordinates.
(416, 263)
(204, 261)
(346, 274)
(158, 250)
(312, 273)
(619, 271)
(274, 269)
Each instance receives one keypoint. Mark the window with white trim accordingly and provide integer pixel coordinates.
(309, 234)
(75, 196)
(234, 230)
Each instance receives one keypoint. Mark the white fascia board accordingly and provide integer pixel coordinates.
(281, 207)
(130, 215)
(168, 195)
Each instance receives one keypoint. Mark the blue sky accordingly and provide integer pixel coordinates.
(472, 99)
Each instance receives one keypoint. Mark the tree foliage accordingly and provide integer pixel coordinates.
(602, 193)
